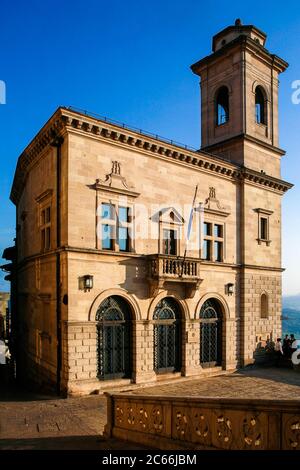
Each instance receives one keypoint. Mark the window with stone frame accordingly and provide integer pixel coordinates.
(263, 226)
(264, 305)
(115, 212)
(170, 231)
(170, 242)
(116, 227)
(45, 219)
(213, 241)
(45, 227)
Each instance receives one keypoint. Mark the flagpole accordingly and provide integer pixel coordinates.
(189, 229)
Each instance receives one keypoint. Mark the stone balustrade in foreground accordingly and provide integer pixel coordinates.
(204, 423)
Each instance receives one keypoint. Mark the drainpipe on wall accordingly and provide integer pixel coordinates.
(57, 143)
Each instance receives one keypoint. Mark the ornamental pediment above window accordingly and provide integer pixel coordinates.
(168, 215)
(115, 182)
(213, 206)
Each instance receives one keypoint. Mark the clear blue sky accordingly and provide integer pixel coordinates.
(129, 60)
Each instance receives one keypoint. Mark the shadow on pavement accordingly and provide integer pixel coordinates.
(68, 443)
(11, 390)
(18, 393)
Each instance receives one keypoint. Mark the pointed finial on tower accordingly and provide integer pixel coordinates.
(238, 22)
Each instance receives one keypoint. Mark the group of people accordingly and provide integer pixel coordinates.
(286, 348)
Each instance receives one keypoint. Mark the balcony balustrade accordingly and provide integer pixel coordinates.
(166, 268)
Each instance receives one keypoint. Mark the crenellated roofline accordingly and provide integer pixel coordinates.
(67, 120)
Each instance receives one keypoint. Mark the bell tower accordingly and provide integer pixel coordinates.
(239, 99)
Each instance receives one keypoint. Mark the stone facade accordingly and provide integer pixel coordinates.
(4, 307)
(78, 164)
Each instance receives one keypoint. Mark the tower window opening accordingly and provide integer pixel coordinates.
(260, 114)
(222, 106)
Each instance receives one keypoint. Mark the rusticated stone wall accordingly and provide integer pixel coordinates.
(255, 329)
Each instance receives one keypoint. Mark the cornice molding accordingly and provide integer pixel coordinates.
(262, 268)
(139, 257)
(65, 120)
(46, 194)
(260, 210)
(247, 43)
(247, 137)
(262, 179)
(108, 189)
(45, 137)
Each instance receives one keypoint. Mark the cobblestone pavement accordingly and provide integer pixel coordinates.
(30, 421)
(264, 383)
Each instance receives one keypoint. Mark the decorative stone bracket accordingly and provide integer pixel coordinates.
(115, 182)
(212, 205)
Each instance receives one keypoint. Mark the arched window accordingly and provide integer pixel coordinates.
(260, 111)
(210, 333)
(167, 336)
(222, 106)
(113, 319)
(264, 306)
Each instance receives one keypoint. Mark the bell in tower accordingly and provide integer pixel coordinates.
(239, 99)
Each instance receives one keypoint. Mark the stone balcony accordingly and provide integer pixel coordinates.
(169, 269)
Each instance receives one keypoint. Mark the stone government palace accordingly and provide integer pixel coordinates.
(96, 306)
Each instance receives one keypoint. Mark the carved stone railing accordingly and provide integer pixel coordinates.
(164, 268)
(200, 423)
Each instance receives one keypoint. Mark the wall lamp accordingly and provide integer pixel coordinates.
(86, 282)
(230, 288)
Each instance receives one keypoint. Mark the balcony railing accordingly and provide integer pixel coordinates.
(171, 268)
(168, 266)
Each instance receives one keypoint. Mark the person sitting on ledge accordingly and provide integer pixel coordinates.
(278, 351)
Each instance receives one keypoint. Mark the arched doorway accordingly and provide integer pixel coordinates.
(167, 336)
(210, 334)
(114, 338)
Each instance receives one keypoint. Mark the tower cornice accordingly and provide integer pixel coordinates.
(245, 43)
(243, 136)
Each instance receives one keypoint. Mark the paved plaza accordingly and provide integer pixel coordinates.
(31, 421)
(256, 383)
